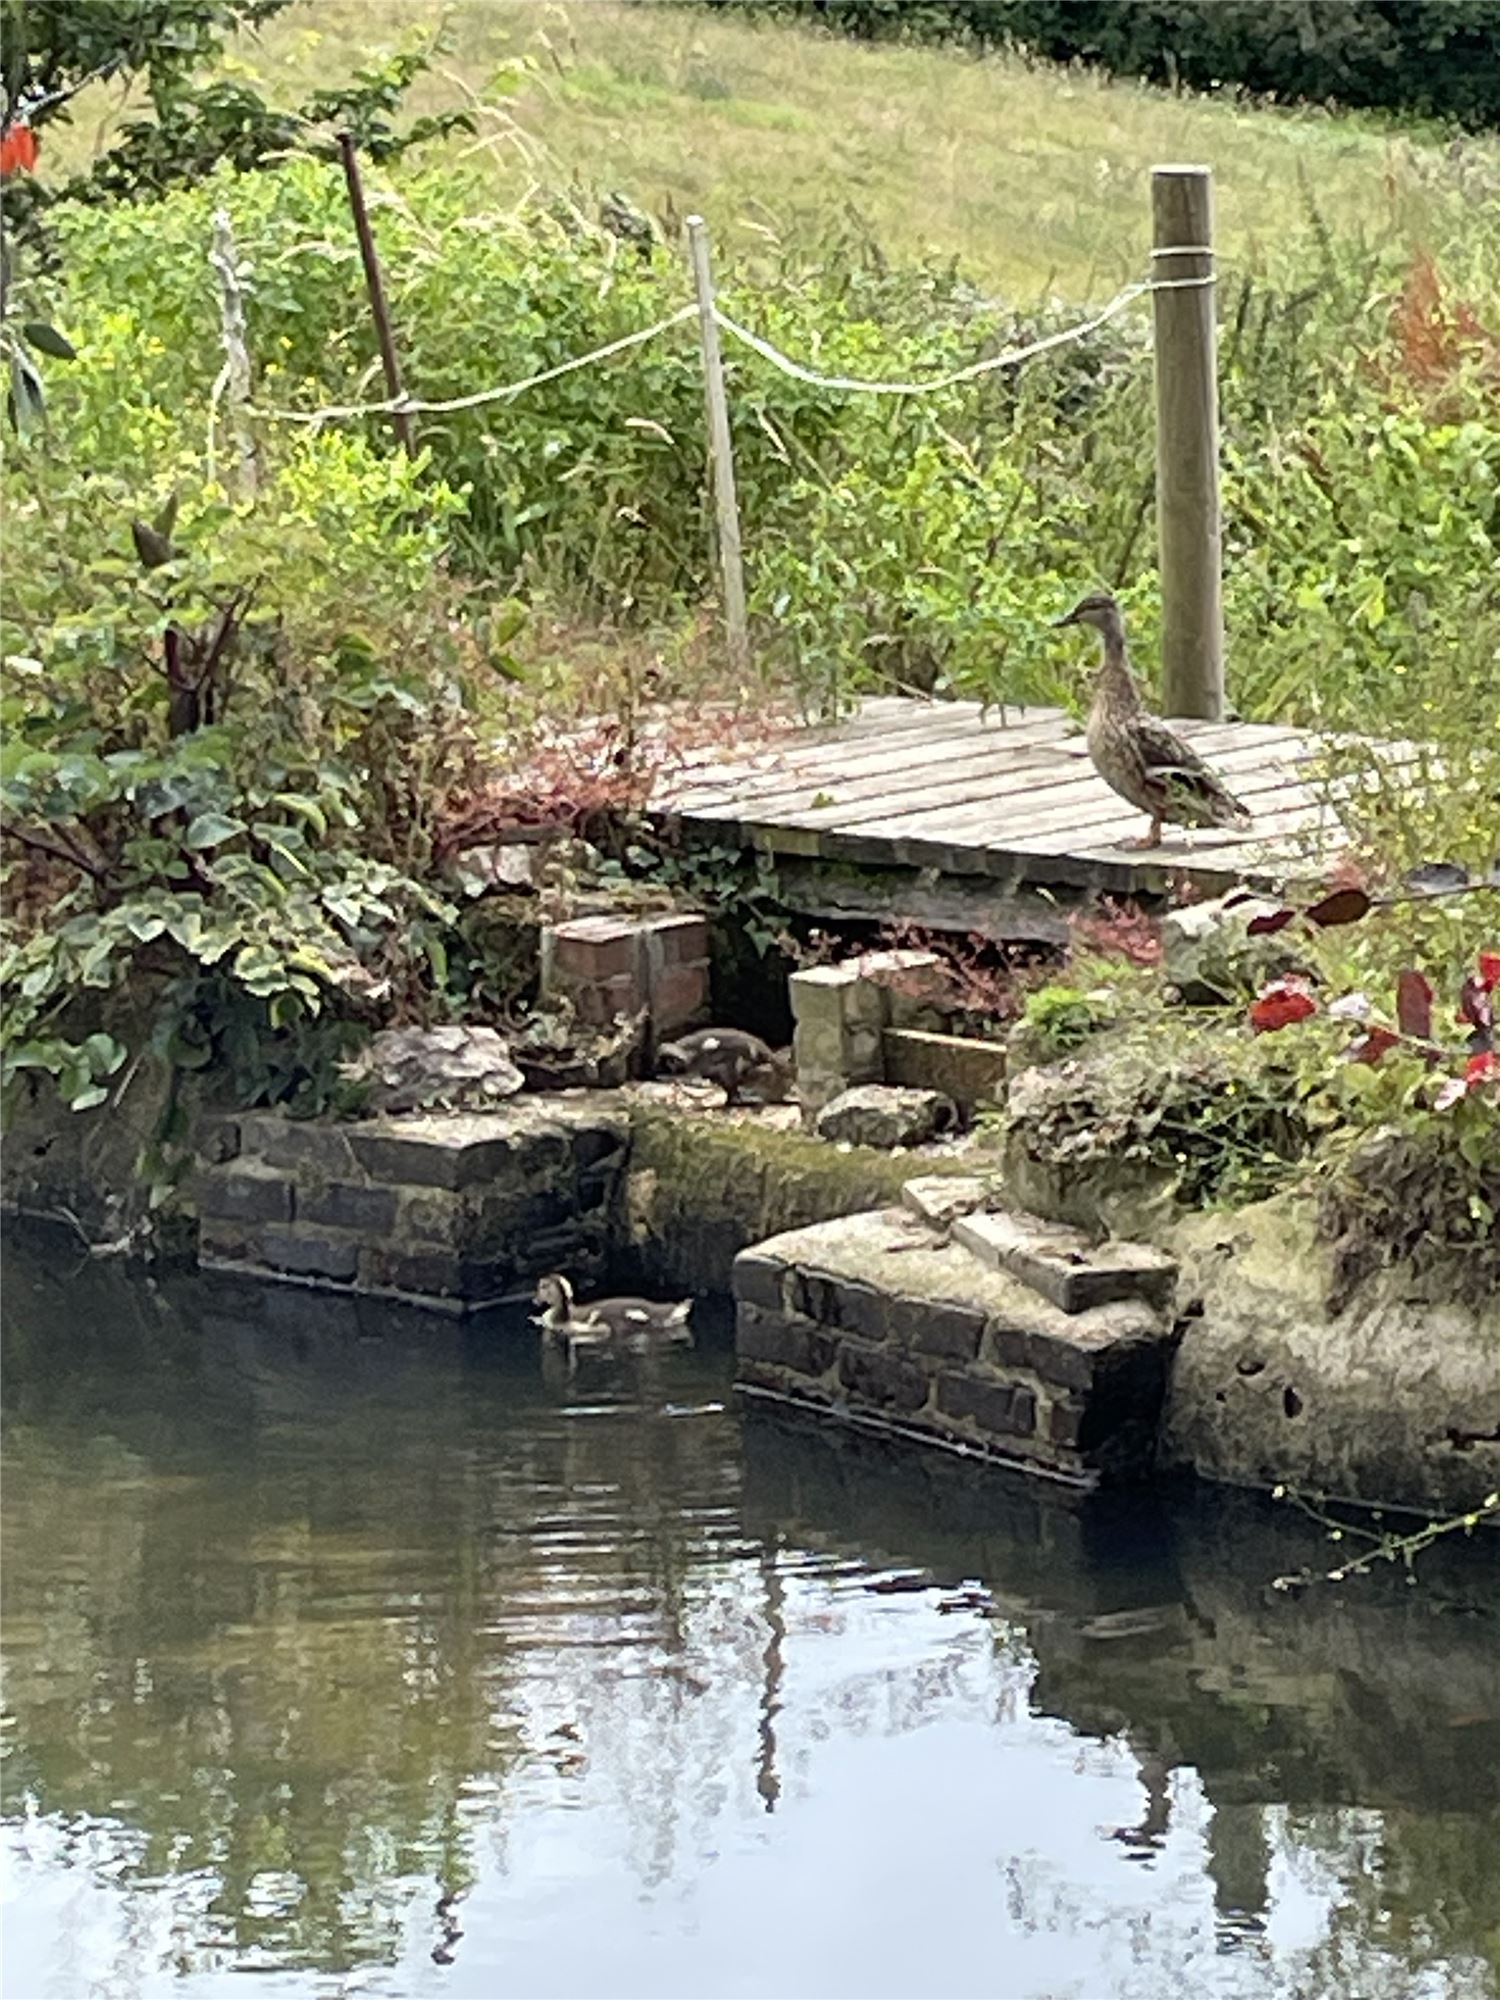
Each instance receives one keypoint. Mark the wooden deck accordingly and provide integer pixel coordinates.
(942, 786)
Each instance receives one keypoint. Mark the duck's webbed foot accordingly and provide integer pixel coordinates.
(1146, 840)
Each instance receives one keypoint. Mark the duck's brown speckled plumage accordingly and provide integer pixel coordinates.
(1135, 752)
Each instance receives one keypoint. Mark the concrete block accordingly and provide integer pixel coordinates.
(969, 1071)
(1062, 1266)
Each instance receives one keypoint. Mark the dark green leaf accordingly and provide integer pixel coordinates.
(45, 337)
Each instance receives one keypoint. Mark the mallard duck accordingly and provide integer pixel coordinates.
(1134, 752)
(731, 1058)
(632, 1323)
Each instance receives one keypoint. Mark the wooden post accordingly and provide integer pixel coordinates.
(389, 360)
(236, 378)
(1187, 444)
(731, 559)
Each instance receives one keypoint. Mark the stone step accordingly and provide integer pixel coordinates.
(1061, 1264)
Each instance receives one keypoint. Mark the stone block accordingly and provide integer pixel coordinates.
(232, 1241)
(759, 1281)
(882, 1380)
(939, 1199)
(243, 1191)
(448, 1154)
(969, 1071)
(343, 1205)
(783, 1340)
(1062, 1266)
(216, 1138)
(1002, 1408)
(1082, 1352)
(296, 1144)
(436, 1217)
(310, 1253)
(434, 1274)
(933, 1327)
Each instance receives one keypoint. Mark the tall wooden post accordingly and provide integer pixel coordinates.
(389, 359)
(1187, 444)
(731, 558)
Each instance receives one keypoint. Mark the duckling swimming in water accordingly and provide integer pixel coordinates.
(625, 1322)
(733, 1059)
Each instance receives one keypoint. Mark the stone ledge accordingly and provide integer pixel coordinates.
(1062, 1265)
(916, 1330)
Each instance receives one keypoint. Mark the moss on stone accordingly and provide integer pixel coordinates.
(700, 1189)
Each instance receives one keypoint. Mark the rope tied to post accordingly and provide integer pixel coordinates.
(1012, 357)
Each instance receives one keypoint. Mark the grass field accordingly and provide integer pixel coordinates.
(1035, 178)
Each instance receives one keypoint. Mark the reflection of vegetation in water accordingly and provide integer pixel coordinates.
(323, 1602)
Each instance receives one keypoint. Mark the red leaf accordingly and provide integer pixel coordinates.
(1489, 970)
(1275, 920)
(1414, 1005)
(18, 148)
(1344, 906)
(1483, 1068)
(1279, 1005)
(1372, 1045)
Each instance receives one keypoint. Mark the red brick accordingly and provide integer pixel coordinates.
(683, 940)
(679, 994)
(589, 948)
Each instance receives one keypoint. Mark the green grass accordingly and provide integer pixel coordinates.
(1035, 178)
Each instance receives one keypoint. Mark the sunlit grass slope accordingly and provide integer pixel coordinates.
(1034, 177)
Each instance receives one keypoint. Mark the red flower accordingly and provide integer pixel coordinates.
(1489, 970)
(18, 148)
(1281, 1003)
(1478, 1071)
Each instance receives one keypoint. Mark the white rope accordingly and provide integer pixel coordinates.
(398, 404)
(1011, 358)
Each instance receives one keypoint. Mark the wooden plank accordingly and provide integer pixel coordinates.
(843, 764)
(1058, 797)
(967, 764)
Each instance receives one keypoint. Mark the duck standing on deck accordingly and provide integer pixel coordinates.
(626, 1322)
(1134, 752)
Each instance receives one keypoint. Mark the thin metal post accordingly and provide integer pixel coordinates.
(389, 360)
(731, 558)
(1187, 443)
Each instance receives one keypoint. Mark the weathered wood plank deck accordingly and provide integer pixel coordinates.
(942, 785)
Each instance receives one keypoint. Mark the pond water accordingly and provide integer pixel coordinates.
(359, 1651)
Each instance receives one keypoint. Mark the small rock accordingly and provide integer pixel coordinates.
(1209, 955)
(886, 1115)
(426, 1069)
(940, 1199)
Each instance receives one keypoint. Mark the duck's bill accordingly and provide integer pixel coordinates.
(1068, 618)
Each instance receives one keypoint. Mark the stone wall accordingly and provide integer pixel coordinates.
(457, 1211)
(702, 1188)
(880, 1322)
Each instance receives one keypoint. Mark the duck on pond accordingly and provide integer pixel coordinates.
(625, 1323)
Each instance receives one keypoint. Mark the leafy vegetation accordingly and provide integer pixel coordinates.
(255, 710)
(1396, 55)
